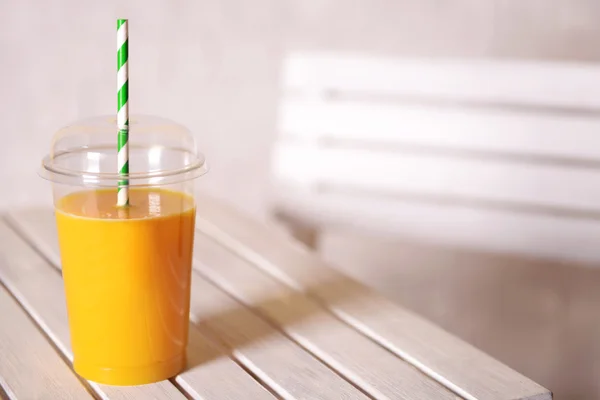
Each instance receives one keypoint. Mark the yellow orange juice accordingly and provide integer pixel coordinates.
(127, 282)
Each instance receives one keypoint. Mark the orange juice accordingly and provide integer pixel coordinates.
(127, 282)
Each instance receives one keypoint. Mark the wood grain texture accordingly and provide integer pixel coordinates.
(30, 368)
(378, 372)
(457, 365)
(276, 360)
(537, 316)
(210, 375)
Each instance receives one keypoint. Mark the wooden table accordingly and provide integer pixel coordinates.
(269, 320)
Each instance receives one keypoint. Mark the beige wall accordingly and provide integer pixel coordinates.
(214, 65)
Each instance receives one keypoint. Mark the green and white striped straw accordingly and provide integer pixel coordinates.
(123, 111)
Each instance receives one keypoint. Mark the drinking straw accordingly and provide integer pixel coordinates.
(123, 112)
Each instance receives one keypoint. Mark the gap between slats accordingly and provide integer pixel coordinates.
(455, 364)
(39, 350)
(267, 352)
(378, 372)
(230, 243)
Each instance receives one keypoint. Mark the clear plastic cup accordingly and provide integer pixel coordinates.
(126, 270)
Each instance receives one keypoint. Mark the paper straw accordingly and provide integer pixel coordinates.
(123, 111)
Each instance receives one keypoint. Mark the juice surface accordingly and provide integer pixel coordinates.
(127, 282)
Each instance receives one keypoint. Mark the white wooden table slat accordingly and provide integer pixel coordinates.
(30, 368)
(457, 365)
(276, 360)
(213, 376)
(340, 346)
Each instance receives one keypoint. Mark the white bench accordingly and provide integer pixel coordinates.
(492, 155)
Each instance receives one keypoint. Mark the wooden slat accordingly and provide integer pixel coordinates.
(516, 132)
(377, 371)
(211, 375)
(457, 365)
(277, 361)
(559, 84)
(27, 273)
(433, 175)
(538, 235)
(29, 367)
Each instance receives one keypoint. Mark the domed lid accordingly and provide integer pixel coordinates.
(161, 152)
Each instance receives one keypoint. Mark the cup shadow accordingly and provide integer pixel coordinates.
(226, 332)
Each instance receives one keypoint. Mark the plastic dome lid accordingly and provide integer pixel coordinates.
(161, 152)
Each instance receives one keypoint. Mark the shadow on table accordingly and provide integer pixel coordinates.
(244, 326)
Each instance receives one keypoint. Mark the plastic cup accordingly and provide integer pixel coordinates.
(126, 270)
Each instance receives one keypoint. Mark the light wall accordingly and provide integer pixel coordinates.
(214, 66)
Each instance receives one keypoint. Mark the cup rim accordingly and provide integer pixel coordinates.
(56, 174)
